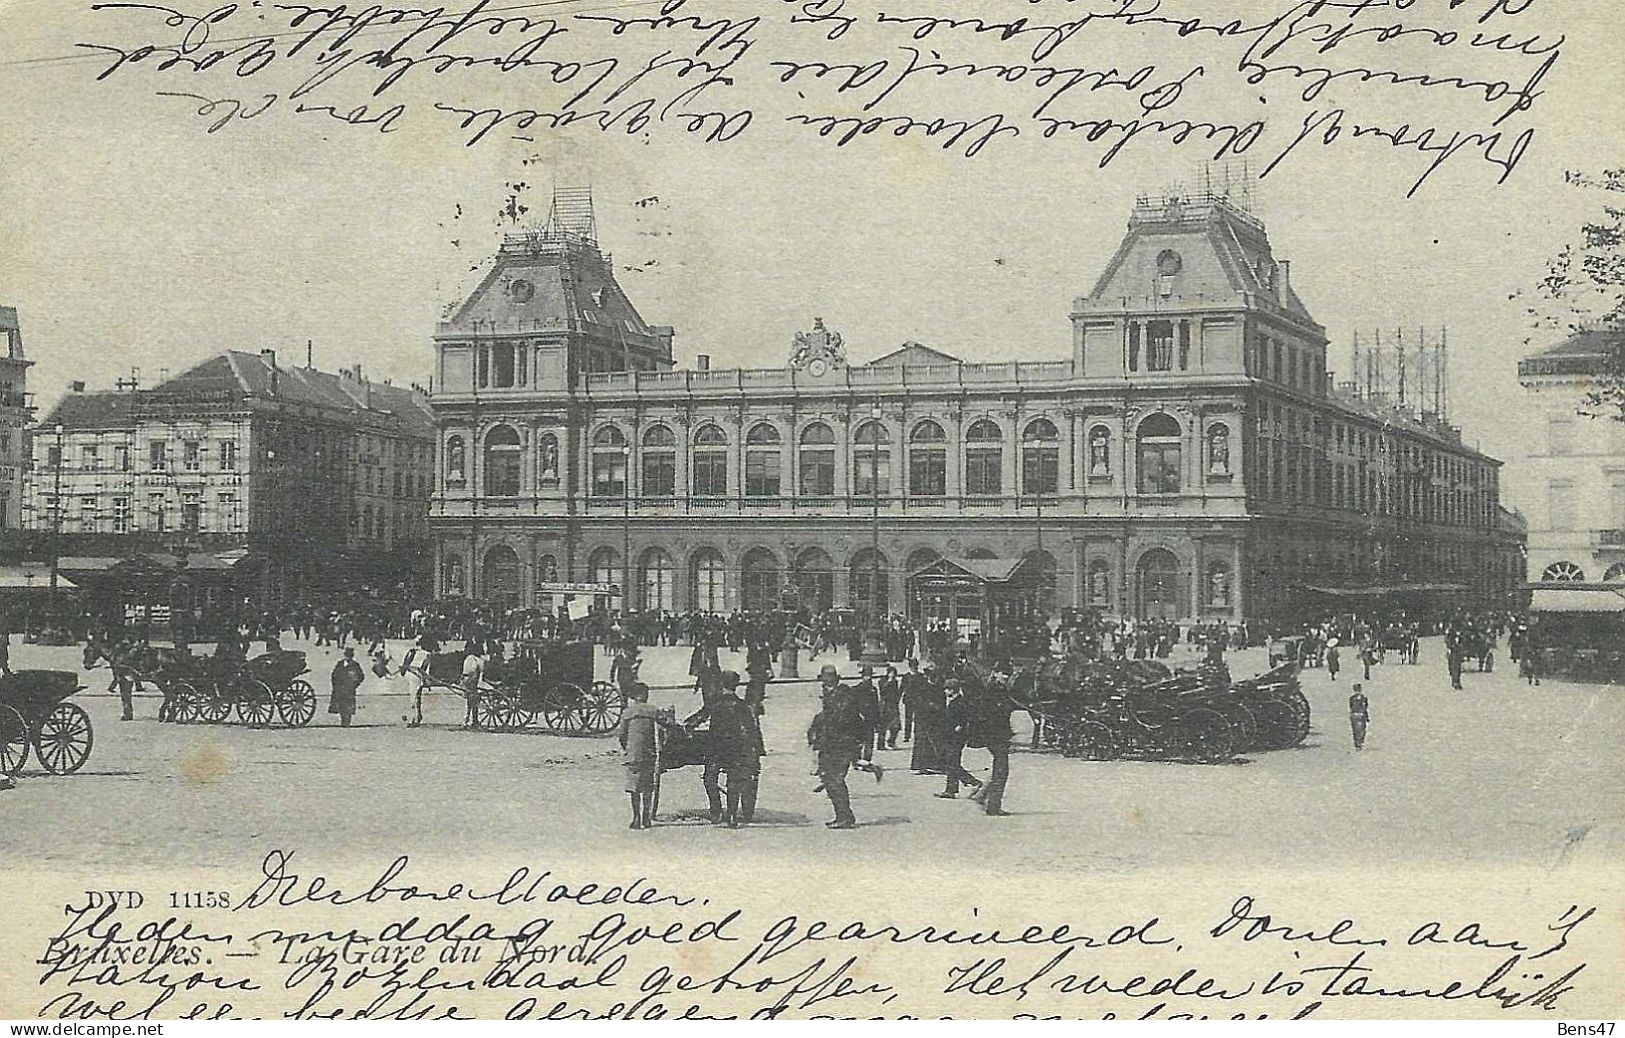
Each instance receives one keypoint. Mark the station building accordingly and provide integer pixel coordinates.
(1188, 457)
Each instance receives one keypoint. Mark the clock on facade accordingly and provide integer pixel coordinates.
(818, 367)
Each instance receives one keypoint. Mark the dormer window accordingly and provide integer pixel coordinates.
(1168, 267)
(1266, 275)
(521, 291)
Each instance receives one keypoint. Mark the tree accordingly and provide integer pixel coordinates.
(1584, 290)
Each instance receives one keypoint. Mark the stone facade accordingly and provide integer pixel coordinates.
(1189, 458)
(239, 451)
(1575, 466)
(14, 419)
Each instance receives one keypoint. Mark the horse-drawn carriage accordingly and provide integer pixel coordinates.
(260, 691)
(544, 684)
(35, 714)
(1104, 710)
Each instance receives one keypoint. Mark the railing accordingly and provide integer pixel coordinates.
(863, 376)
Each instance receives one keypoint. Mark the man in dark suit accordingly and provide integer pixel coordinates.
(836, 734)
(1359, 715)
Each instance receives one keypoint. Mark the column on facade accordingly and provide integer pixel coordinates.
(899, 435)
(1124, 588)
(1236, 582)
(1080, 572)
(843, 454)
(1070, 439)
(1010, 454)
(955, 453)
(1198, 567)
(680, 478)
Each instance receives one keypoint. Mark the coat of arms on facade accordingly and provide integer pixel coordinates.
(819, 350)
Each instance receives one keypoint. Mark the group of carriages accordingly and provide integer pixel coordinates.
(258, 691)
(542, 684)
(36, 717)
(1140, 709)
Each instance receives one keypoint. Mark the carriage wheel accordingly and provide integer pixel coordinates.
(561, 708)
(257, 707)
(63, 741)
(213, 707)
(1275, 724)
(1292, 698)
(1095, 741)
(297, 703)
(13, 741)
(1243, 727)
(601, 708)
(184, 703)
(497, 712)
(1206, 737)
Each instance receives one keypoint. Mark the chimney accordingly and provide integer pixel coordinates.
(1286, 275)
(270, 357)
(703, 362)
(76, 386)
(358, 377)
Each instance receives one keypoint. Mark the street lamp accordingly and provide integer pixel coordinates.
(874, 638)
(56, 511)
(626, 528)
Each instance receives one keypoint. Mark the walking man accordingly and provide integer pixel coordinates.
(1334, 662)
(473, 671)
(346, 679)
(1359, 715)
(835, 735)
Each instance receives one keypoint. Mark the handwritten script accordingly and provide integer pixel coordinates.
(1428, 83)
(293, 942)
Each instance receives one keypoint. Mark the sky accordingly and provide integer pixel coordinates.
(135, 239)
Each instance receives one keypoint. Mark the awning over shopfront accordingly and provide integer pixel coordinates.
(1376, 590)
(37, 575)
(1578, 600)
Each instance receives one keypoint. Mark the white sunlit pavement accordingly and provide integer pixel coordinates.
(1495, 772)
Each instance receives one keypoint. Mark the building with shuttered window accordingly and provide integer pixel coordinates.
(1186, 457)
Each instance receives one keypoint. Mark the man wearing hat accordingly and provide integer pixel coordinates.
(835, 735)
(736, 744)
(1359, 714)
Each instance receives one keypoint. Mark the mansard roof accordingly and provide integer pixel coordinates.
(1224, 255)
(550, 282)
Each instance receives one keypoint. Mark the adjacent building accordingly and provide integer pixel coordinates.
(1576, 465)
(14, 419)
(1187, 457)
(302, 469)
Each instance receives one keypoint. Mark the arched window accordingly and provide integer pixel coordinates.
(1098, 589)
(928, 461)
(1565, 571)
(1040, 458)
(1218, 450)
(499, 576)
(452, 577)
(815, 580)
(547, 459)
(547, 569)
(604, 567)
(762, 461)
(502, 462)
(1216, 588)
(1100, 453)
(984, 459)
(659, 460)
(1163, 592)
(710, 462)
(657, 584)
(456, 462)
(871, 460)
(817, 461)
(610, 455)
(709, 581)
(1615, 574)
(759, 573)
(1159, 455)
(870, 581)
